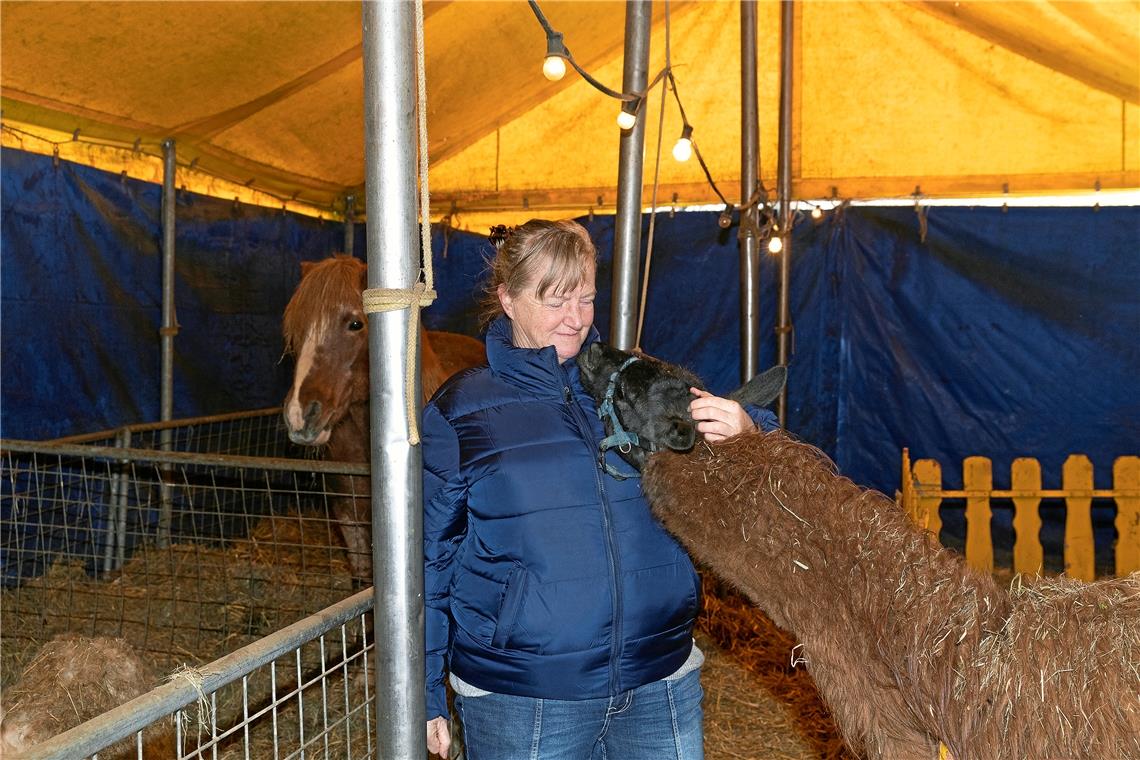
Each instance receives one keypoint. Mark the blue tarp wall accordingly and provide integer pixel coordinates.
(1003, 334)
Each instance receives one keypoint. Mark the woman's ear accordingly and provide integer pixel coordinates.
(505, 300)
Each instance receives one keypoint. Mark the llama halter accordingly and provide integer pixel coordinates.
(621, 439)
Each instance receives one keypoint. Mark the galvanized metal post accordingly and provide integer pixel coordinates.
(169, 322)
(749, 175)
(349, 223)
(116, 537)
(631, 155)
(124, 495)
(784, 189)
(397, 491)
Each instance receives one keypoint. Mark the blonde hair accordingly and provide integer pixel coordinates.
(556, 256)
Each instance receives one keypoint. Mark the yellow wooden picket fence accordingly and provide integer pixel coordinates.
(922, 495)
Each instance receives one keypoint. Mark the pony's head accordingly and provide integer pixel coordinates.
(649, 399)
(325, 328)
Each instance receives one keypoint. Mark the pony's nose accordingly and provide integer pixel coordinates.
(312, 414)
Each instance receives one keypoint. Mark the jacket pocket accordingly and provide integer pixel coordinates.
(512, 602)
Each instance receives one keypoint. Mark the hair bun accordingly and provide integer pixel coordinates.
(500, 233)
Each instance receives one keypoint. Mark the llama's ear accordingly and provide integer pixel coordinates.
(306, 266)
(591, 358)
(760, 390)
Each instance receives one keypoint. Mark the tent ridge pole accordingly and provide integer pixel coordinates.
(749, 175)
(631, 155)
(784, 190)
(393, 252)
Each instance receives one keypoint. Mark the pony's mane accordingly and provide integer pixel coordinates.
(327, 286)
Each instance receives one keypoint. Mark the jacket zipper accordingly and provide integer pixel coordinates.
(611, 550)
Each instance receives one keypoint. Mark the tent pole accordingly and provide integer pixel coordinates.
(349, 223)
(631, 154)
(169, 325)
(397, 488)
(749, 169)
(784, 190)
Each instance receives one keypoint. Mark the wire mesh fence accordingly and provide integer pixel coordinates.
(302, 692)
(187, 554)
(256, 433)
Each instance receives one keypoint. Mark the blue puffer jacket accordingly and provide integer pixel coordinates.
(544, 576)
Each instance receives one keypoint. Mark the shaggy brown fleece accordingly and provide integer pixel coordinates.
(73, 679)
(907, 644)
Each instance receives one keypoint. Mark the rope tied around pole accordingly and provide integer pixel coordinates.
(415, 298)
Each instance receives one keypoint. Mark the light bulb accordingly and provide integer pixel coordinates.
(775, 245)
(626, 120)
(683, 149)
(554, 68)
(816, 213)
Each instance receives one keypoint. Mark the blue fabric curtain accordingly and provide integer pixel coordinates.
(1003, 334)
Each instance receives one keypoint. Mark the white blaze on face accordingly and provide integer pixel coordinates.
(294, 412)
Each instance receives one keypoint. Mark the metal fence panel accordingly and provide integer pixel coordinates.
(302, 692)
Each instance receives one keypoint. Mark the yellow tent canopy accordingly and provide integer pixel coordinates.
(264, 99)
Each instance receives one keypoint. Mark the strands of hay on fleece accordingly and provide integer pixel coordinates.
(73, 679)
(757, 704)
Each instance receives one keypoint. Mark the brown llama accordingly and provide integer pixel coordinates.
(909, 646)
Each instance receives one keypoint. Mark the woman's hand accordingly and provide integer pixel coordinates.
(438, 737)
(718, 418)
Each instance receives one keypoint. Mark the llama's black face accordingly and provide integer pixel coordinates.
(651, 397)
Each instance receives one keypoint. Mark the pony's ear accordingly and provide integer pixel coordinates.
(761, 389)
(306, 266)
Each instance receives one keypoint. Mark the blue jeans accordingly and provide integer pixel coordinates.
(659, 721)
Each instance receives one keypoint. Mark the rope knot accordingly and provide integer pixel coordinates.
(414, 298)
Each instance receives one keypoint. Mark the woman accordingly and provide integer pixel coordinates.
(561, 608)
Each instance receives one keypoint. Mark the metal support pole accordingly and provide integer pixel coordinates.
(124, 499)
(119, 485)
(631, 156)
(169, 324)
(349, 223)
(749, 176)
(784, 189)
(397, 490)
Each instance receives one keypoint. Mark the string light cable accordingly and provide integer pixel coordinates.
(653, 197)
(554, 68)
(558, 54)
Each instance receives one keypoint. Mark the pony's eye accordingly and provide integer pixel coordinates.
(355, 325)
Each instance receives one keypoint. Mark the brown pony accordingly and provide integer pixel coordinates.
(326, 329)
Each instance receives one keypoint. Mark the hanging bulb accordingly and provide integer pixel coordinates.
(626, 119)
(554, 65)
(816, 213)
(775, 245)
(683, 148)
(554, 68)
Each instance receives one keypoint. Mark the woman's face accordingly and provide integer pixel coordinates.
(560, 320)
